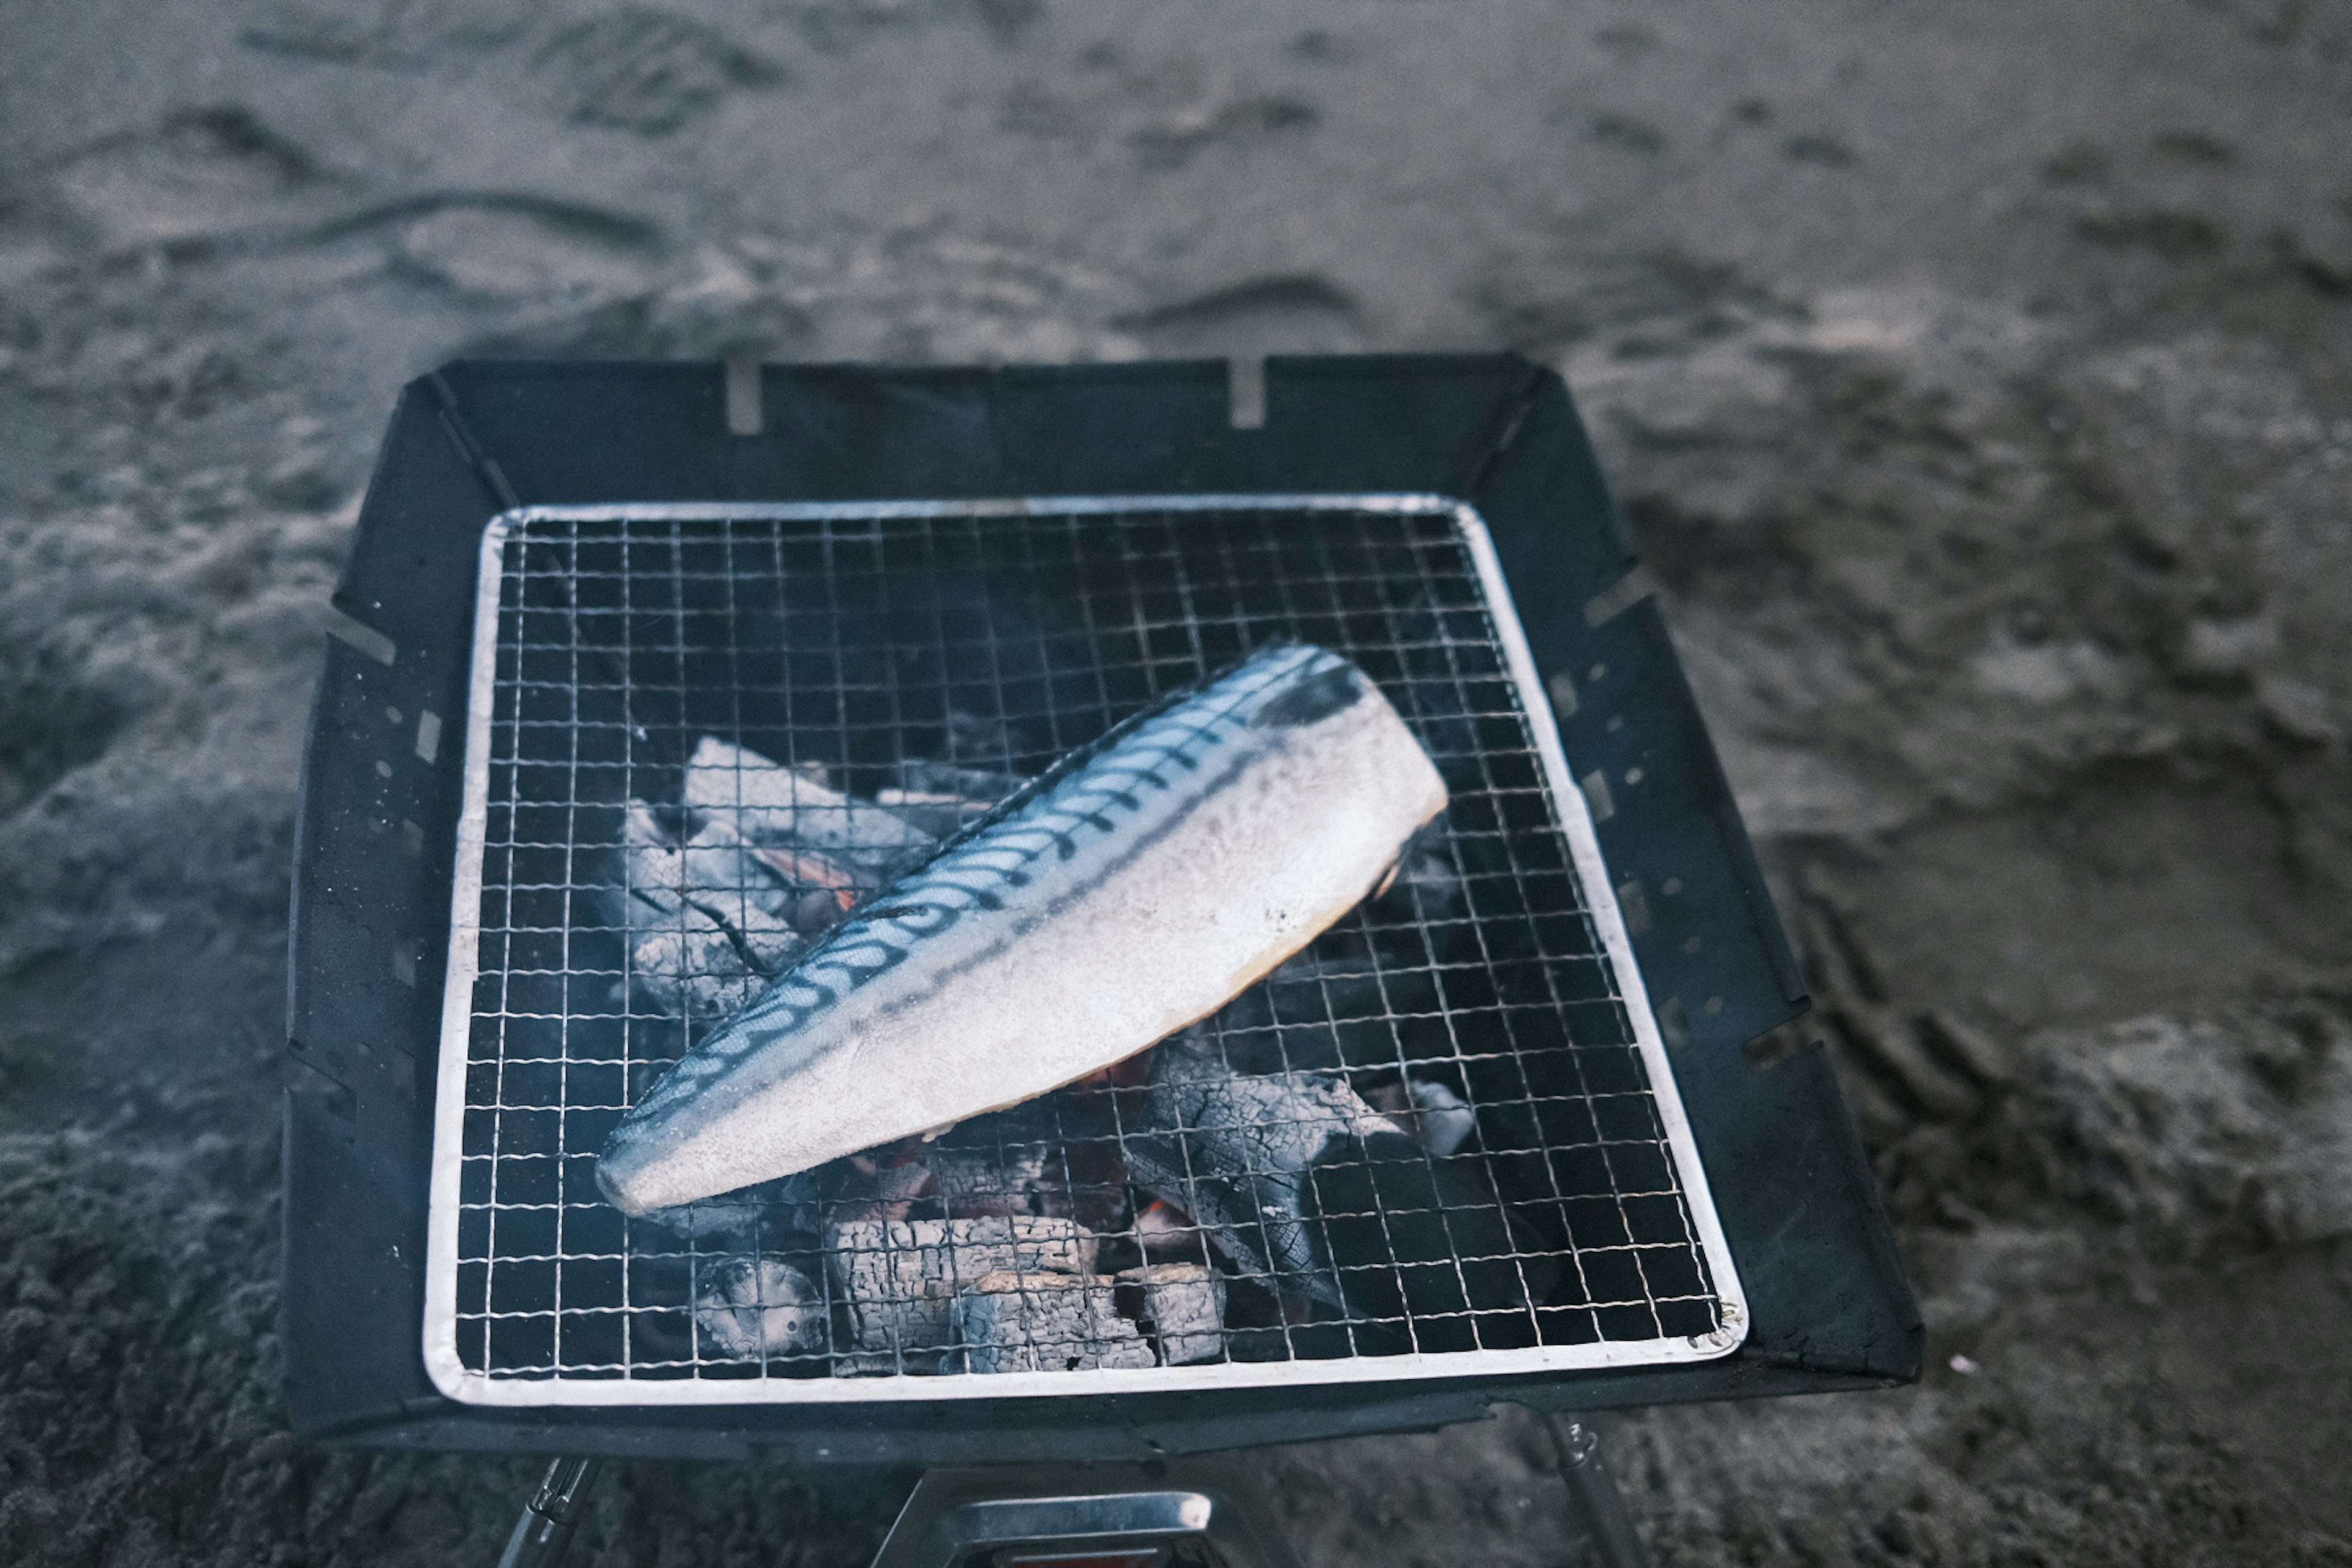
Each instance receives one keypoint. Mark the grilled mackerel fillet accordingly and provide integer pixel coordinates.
(1139, 885)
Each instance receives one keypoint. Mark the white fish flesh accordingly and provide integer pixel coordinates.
(1136, 886)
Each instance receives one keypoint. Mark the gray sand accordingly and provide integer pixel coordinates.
(1975, 375)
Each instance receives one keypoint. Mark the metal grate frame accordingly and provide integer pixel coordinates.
(609, 638)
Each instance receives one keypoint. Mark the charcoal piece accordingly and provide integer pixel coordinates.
(705, 920)
(750, 1216)
(1439, 1119)
(941, 798)
(769, 804)
(1182, 1307)
(884, 1185)
(1015, 1322)
(885, 1363)
(1060, 1151)
(1426, 1239)
(1233, 1151)
(1167, 1235)
(1297, 1178)
(972, 1180)
(752, 1308)
(938, 815)
(900, 1278)
(695, 973)
(986, 785)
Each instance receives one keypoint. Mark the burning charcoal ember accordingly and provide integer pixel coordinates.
(781, 807)
(1167, 1235)
(900, 1279)
(1016, 1322)
(1183, 1309)
(1235, 1151)
(752, 1308)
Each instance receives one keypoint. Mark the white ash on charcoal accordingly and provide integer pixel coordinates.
(704, 919)
(718, 894)
(1233, 1150)
(758, 1308)
(900, 1279)
(1167, 1235)
(775, 806)
(1012, 1320)
(973, 1182)
(1314, 1194)
(942, 799)
(1180, 1308)
(1439, 1119)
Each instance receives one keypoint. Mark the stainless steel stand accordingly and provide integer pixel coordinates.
(544, 1531)
(1609, 1528)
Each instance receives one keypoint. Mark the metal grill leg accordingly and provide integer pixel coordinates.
(544, 1531)
(1594, 1492)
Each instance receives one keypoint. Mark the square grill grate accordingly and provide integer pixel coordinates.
(857, 643)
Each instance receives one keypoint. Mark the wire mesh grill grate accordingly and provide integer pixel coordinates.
(1435, 1131)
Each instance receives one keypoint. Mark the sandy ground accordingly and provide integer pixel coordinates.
(1975, 373)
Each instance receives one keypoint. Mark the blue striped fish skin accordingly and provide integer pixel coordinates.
(1137, 887)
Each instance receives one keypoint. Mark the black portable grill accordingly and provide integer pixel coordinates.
(569, 579)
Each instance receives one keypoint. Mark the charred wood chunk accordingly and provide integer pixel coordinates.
(753, 1307)
(900, 1278)
(1439, 1119)
(693, 970)
(1427, 1258)
(770, 804)
(1234, 1150)
(980, 1181)
(757, 1215)
(941, 798)
(1018, 1321)
(706, 922)
(1181, 1308)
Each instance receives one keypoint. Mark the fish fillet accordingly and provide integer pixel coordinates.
(1139, 885)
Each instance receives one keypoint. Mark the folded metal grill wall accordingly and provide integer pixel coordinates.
(1828, 1303)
